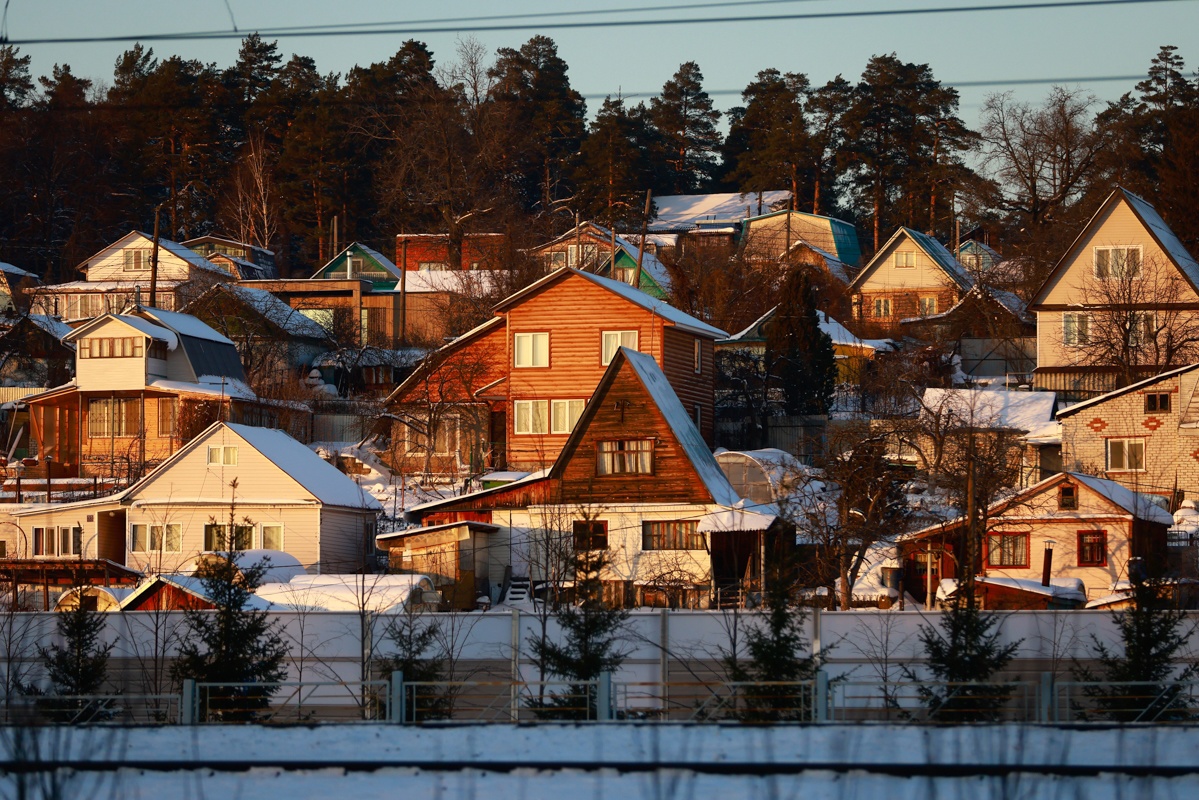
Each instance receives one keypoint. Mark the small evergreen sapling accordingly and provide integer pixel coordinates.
(963, 657)
(591, 631)
(780, 660)
(1144, 683)
(79, 666)
(232, 645)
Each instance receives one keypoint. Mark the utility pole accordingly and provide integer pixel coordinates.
(403, 291)
(649, 199)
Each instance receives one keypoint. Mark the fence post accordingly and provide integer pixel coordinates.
(516, 665)
(1046, 713)
(603, 698)
(822, 698)
(187, 703)
(395, 703)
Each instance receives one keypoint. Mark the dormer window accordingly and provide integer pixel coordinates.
(1067, 497)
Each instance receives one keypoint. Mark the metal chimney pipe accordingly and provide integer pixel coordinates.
(1047, 564)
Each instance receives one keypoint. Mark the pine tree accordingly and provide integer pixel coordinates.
(614, 169)
(799, 356)
(589, 647)
(962, 657)
(686, 121)
(79, 666)
(1142, 683)
(232, 644)
(773, 147)
(780, 659)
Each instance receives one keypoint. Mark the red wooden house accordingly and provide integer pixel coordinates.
(507, 394)
(634, 479)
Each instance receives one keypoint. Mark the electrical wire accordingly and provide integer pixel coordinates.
(468, 25)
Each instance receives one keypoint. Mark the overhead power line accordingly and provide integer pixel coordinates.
(472, 25)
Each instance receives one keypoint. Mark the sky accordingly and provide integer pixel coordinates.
(1005, 48)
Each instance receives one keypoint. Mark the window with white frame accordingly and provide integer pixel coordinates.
(136, 260)
(905, 259)
(531, 417)
(1126, 455)
(882, 307)
(1141, 328)
(272, 537)
(225, 456)
(613, 341)
(166, 538)
(564, 415)
(532, 349)
(1118, 262)
(928, 306)
(1076, 329)
(61, 541)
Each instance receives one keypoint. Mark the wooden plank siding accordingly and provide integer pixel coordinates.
(575, 312)
(625, 411)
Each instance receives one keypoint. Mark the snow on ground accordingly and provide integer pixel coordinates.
(626, 761)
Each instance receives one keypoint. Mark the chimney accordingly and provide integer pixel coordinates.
(1047, 564)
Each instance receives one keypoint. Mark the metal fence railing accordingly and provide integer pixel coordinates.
(1043, 701)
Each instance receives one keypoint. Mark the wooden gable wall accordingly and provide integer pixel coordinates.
(625, 410)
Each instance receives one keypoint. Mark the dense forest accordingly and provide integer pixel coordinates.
(272, 151)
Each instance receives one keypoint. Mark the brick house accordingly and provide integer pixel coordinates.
(912, 275)
(1144, 436)
(431, 252)
(508, 393)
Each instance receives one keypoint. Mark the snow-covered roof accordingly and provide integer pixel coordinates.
(316, 475)
(1008, 300)
(211, 385)
(649, 262)
(1142, 506)
(688, 210)
(51, 325)
(682, 426)
(184, 324)
(1050, 433)
(679, 319)
(214, 238)
(1062, 588)
(189, 584)
(15, 271)
(383, 594)
(990, 408)
(1165, 237)
(278, 312)
(446, 280)
(143, 326)
(414, 512)
(738, 518)
(838, 333)
(404, 533)
(383, 261)
(1133, 387)
(108, 286)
